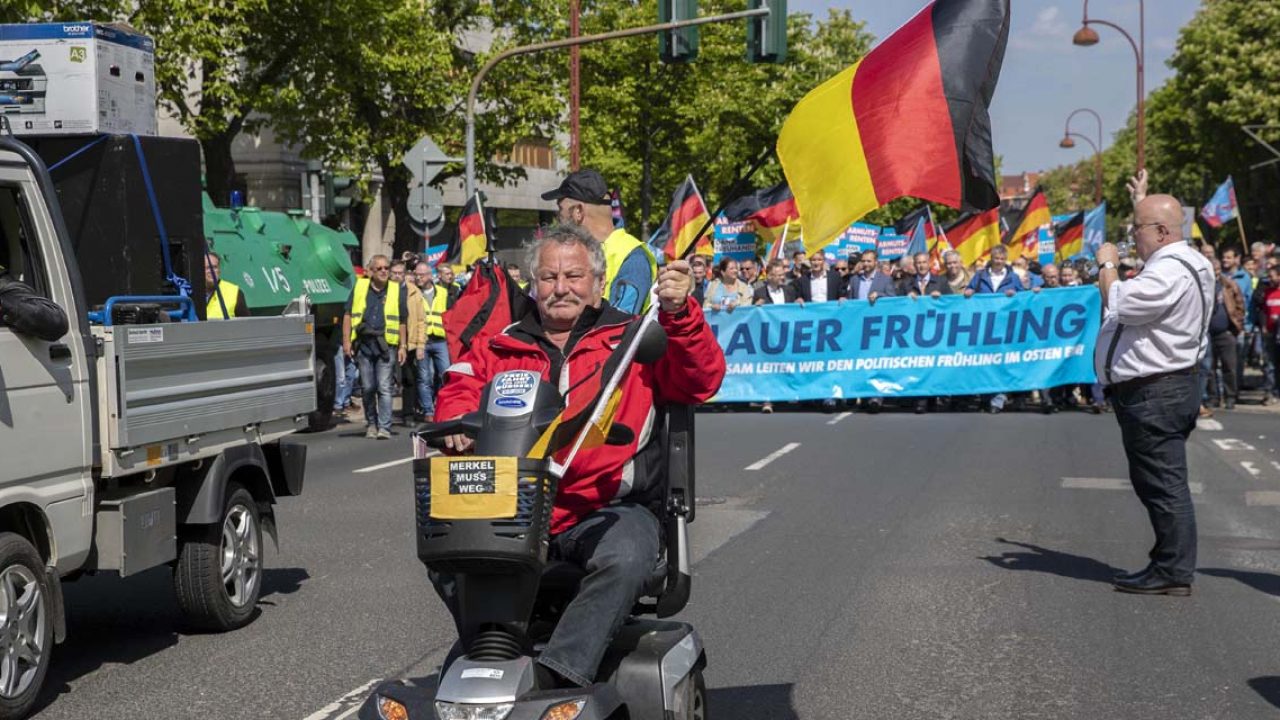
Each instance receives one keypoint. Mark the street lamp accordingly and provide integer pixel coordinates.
(1087, 36)
(1067, 143)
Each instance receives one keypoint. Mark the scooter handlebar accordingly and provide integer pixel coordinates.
(434, 433)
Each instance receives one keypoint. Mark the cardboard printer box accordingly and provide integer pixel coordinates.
(76, 79)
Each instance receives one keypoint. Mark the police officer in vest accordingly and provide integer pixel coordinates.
(223, 299)
(583, 199)
(371, 334)
(1149, 349)
(432, 352)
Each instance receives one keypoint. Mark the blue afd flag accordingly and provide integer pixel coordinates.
(919, 241)
(1221, 208)
(1095, 229)
(905, 347)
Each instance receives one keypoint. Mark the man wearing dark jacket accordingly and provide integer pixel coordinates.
(820, 284)
(776, 290)
(28, 313)
(923, 282)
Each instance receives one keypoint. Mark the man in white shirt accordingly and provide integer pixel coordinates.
(1148, 352)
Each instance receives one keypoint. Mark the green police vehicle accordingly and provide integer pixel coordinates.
(273, 257)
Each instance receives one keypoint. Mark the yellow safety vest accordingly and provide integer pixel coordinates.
(230, 296)
(617, 247)
(435, 311)
(390, 310)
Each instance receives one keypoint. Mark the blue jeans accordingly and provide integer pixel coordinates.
(375, 380)
(1155, 421)
(347, 374)
(435, 360)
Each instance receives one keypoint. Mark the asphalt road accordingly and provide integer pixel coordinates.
(895, 566)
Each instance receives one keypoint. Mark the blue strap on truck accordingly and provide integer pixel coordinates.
(184, 287)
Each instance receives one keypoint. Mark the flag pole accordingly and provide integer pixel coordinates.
(1244, 241)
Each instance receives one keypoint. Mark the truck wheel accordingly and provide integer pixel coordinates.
(26, 626)
(326, 388)
(218, 576)
(695, 707)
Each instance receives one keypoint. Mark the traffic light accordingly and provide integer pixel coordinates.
(678, 46)
(767, 34)
(335, 201)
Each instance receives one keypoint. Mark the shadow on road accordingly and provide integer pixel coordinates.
(1268, 686)
(752, 702)
(120, 621)
(1260, 581)
(1053, 562)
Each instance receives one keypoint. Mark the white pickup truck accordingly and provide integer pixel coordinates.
(124, 447)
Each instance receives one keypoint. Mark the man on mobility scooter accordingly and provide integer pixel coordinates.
(610, 516)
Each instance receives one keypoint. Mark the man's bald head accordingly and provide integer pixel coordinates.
(1157, 222)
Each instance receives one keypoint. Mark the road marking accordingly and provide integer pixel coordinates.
(1208, 424)
(1232, 444)
(1249, 466)
(393, 463)
(838, 418)
(1264, 498)
(342, 707)
(1074, 483)
(1275, 464)
(759, 464)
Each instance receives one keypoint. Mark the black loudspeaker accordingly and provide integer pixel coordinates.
(109, 211)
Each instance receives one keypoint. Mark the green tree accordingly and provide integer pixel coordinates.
(647, 124)
(373, 76)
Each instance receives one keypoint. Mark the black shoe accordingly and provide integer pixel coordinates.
(1047, 409)
(1152, 583)
(874, 406)
(922, 407)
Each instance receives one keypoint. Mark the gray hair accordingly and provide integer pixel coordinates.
(565, 234)
(950, 254)
(1000, 249)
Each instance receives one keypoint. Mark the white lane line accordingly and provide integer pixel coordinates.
(759, 464)
(1265, 498)
(1275, 464)
(393, 463)
(838, 418)
(335, 709)
(1232, 444)
(1249, 466)
(1074, 483)
(1208, 424)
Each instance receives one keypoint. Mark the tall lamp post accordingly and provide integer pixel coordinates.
(1087, 36)
(1068, 143)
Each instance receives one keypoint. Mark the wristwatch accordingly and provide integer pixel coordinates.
(1109, 265)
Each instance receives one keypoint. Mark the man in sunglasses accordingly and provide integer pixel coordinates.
(1153, 336)
(372, 332)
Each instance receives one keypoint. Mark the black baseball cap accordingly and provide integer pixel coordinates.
(585, 185)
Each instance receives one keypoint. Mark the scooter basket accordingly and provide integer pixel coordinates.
(463, 545)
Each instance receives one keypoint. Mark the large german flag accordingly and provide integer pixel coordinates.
(910, 118)
(974, 235)
(1068, 238)
(471, 243)
(687, 216)
(1034, 216)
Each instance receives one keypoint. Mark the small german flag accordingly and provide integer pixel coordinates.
(910, 118)
(1068, 240)
(472, 242)
(974, 235)
(687, 216)
(1023, 239)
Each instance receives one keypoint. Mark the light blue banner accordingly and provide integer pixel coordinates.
(904, 347)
